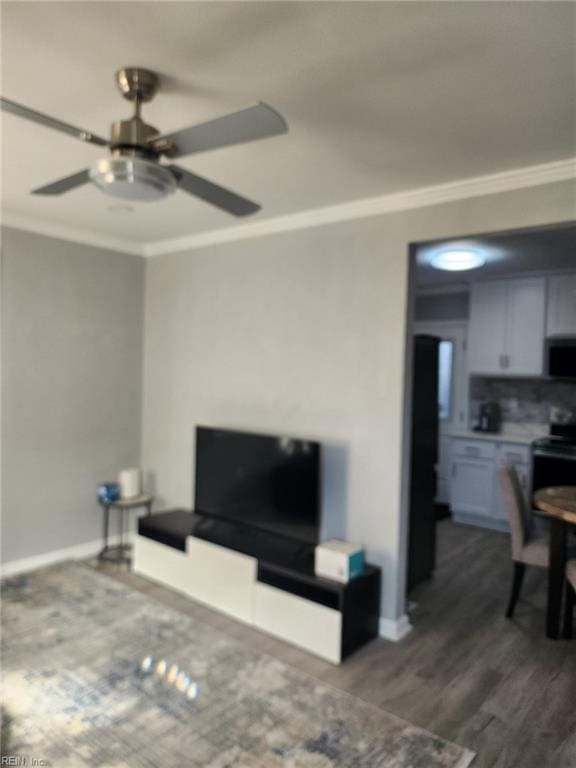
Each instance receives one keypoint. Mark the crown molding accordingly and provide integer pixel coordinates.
(63, 232)
(507, 181)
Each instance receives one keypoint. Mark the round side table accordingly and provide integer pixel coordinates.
(119, 552)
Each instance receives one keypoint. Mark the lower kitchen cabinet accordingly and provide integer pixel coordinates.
(475, 496)
(472, 487)
(521, 458)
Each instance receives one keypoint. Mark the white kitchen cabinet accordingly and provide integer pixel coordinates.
(513, 453)
(561, 319)
(519, 457)
(472, 489)
(472, 480)
(486, 329)
(507, 323)
(475, 496)
(526, 303)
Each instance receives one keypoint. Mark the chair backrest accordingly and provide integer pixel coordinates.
(571, 572)
(515, 508)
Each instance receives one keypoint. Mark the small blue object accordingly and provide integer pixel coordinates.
(356, 564)
(108, 493)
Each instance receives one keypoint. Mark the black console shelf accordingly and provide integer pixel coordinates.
(173, 526)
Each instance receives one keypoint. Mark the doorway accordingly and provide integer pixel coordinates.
(492, 324)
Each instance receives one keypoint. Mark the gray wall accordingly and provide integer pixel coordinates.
(447, 306)
(304, 333)
(71, 400)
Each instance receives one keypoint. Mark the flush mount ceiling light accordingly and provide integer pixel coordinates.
(457, 260)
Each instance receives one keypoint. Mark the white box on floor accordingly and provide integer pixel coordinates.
(338, 560)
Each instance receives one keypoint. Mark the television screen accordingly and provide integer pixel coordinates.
(271, 483)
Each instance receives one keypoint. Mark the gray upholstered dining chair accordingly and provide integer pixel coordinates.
(526, 549)
(570, 598)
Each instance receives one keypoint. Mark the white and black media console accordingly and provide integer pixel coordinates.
(260, 579)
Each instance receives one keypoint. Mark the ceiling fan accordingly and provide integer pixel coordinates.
(136, 169)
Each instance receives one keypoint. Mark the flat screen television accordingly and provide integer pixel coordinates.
(267, 482)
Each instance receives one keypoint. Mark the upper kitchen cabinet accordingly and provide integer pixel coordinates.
(506, 330)
(486, 327)
(561, 320)
(525, 328)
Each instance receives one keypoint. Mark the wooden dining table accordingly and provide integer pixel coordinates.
(559, 505)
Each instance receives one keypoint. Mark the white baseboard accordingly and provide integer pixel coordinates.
(395, 629)
(76, 552)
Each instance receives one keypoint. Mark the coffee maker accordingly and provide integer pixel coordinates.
(489, 417)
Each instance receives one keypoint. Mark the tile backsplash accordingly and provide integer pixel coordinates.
(523, 400)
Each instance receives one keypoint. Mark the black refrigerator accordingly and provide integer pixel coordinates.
(423, 461)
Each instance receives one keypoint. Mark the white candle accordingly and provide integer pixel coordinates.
(130, 482)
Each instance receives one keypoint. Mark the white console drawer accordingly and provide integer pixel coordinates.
(221, 578)
(165, 564)
(306, 624)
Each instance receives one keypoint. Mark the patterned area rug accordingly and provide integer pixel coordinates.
(79, 695)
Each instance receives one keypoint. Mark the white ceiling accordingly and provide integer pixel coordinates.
(380, 97)
(546, 249)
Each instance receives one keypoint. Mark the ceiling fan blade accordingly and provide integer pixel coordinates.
(255, 122)
(64, 185)
(50, 122)
(214, 194)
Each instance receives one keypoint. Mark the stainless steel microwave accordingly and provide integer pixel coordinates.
(560, 357)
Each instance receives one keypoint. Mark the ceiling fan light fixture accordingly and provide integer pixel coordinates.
(135, 172)
(132, 178)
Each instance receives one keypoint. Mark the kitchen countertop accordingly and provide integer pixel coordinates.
(524, 437)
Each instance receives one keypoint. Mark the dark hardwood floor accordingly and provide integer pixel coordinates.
(465, 672)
